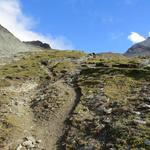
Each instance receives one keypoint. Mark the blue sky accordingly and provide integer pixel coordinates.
(90, 25)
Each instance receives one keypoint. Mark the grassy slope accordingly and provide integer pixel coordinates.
(116, 83)
(111, 95)
(28, 67)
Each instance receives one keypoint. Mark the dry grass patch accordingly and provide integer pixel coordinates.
(118, 87)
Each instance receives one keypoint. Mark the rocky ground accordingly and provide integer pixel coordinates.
(68, 100)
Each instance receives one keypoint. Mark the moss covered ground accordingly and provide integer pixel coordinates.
(113, 107)
(112, 112)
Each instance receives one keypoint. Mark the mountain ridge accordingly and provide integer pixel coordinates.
(10, 45)
(139, 49)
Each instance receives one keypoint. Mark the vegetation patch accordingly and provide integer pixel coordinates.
(4, 83)
(63, 67)
(118, 87)
(29, 66)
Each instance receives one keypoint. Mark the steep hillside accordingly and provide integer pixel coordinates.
(10, 45)
(36, 96)
(114, 108)
(140, 49)
(67, 100)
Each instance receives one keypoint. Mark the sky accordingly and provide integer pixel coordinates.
(88, 25)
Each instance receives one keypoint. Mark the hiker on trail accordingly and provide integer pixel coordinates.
(94, 55)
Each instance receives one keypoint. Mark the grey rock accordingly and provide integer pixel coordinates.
(38, 141)
(19, 147)
(145, 106)
(107, 120)
(28, 144)
(148, 99)
(147, 142)
(145, 63)
(30, 138)
(136, 112)
(139, 121)
(108, 111)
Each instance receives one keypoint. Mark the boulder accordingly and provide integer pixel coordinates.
(147, 142)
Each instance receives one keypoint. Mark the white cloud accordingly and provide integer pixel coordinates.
(12, 18)
(135, 37)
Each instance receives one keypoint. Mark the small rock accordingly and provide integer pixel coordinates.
(107, 120)
(19, 147)
(90, 96)
(136, 112)
(115, 104)
(44, 62)
(110, 146)
(147, 142)
(38, 141)
(139, 121)
(108, 111)
(148, 99)
(145, 106)
(16, 103)
(28, 144)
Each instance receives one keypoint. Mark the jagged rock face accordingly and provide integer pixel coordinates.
(139, 49)
(38, 44)
(9, 44)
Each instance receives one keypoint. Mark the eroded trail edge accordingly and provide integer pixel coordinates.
(54, 102)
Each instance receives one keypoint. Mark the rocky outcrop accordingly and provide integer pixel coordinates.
(9, 44)
(38, 44)
(139, 49)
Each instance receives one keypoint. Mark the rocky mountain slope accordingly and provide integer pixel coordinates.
(68, 100)
(10, 45)
(140, 49)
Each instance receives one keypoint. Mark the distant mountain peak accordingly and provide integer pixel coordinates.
(10, 45)
(39, 44)
(139, 49)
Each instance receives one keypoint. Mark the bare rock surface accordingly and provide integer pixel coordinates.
(38, 44)
(10, 45)
(140, 49)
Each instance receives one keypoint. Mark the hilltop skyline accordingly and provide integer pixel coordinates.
(92, 25)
